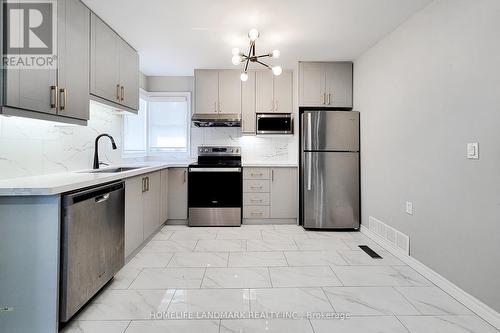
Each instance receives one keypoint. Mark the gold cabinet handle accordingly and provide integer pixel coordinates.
(122, 93)
(323, 99)
(63, 99)
(185, 174)
(255, 200)
(329, 95)
(118, 91)
(53, 97)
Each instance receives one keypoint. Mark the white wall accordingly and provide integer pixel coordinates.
(31, 147)
(424, 91)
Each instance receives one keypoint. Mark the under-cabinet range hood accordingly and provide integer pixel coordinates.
(216, 120)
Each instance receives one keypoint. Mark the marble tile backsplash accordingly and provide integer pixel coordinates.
(31, 147)
(255, 149)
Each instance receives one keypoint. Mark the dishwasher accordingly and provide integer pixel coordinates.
(92, 244)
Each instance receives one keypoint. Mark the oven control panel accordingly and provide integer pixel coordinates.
(219, 151)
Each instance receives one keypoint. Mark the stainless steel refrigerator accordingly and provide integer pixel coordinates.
(330, 177)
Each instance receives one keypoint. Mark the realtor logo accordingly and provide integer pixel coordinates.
(29, 34)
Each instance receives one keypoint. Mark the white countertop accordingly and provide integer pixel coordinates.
(58, 183)
(269, 165)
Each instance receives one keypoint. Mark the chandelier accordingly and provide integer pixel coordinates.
(240, 57)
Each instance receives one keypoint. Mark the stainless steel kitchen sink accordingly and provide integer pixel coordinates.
(113, 170)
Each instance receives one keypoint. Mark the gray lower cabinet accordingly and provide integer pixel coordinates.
(177, 194)
(61, 93)
(114, 67)
(164, 196)
(142, 209)
(284, 193)
(151, 203)
(270, 193)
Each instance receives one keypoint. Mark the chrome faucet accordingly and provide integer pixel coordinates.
(96, 151)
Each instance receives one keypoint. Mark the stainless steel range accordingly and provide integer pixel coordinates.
(215, 187)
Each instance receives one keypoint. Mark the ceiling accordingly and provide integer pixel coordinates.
(175, 36)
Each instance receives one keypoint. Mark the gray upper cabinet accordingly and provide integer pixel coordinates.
(325, 84)
(73, 59)
(217, 91)
(274, 93)
(114, 67)
(60, 93)
(129, 76)
(248, 104)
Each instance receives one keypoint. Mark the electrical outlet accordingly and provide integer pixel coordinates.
(409, 208)
(473, 151)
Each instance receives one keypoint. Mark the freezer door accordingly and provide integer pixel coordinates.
(330, 131)
(331, 190)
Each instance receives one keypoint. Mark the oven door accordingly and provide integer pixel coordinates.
(274, 123)
(215, 196)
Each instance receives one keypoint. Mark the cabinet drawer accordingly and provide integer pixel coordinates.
(256, 199)
(256, 186)
(256, 173)
(256, 212)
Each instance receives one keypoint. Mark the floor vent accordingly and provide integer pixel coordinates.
(393, 236)
(370, 252)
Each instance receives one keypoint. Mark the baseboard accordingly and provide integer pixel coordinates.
(176, 222)
(269, 221)
(475, 305)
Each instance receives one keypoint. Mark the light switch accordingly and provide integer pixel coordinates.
(409, 208)
(473, 151)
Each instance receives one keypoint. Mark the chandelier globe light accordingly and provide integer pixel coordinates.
(240, 57)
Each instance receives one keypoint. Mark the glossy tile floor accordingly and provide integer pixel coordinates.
(270, 279)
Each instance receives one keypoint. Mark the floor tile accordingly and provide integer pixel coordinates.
(193, 235)
(359, 325)
(124, 278)
(369, 301)
(164, 234)
(210, 300)
(199, 259)
(432, 301)
(312, 276)
(254, 277)
(168, 278)
(377, 276)
(174, 326)
(127, 304)
(338, 235)
(361, 258)
(446, 324)
(265, 326)
(271, 245)
(298, 300)
(239, 234)
(353, 244)
(151, 259)
(170, 246)
(78, 326)
(257, 226)
(174, 227)
(313, 258)
(260, 259)
(283, 234)
(220, 245)
(320, 245)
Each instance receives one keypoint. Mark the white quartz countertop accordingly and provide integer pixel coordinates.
(58, 183)
(268, 165)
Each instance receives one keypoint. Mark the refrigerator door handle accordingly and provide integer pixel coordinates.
(309, 131)
(309, 171)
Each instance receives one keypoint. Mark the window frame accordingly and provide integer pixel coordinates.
(159, 153)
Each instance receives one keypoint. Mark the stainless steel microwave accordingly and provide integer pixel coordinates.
(274, 123)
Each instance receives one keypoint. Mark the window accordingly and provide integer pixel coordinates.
(161, 126)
